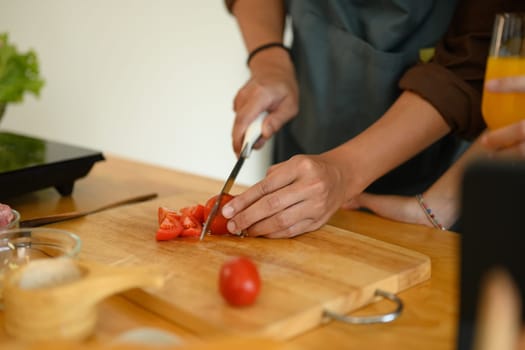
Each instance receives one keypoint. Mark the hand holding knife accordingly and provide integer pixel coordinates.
(252, 135)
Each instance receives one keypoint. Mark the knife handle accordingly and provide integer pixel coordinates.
(252, 135)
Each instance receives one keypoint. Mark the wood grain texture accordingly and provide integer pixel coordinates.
(331, 269)
(228, 343)
(429, 320)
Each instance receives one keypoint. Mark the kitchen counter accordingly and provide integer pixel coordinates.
(428, 320)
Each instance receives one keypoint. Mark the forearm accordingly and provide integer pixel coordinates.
(408, 127)
(444, 195)
(260, 21)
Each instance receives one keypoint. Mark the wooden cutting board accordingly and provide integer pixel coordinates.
(330, 269)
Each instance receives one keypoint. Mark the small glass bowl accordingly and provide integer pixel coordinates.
(21, 245)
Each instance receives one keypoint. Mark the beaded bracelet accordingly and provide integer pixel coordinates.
(430, 216)
(264, 47)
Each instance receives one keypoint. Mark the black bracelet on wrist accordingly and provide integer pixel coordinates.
(264, 47)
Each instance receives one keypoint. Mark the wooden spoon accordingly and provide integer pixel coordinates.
(49, 219)
(66, 310)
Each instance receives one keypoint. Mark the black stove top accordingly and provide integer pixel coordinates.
(28, 164)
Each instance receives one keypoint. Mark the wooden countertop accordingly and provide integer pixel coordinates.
(428, 321)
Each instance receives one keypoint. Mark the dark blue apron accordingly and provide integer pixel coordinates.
(349, 56)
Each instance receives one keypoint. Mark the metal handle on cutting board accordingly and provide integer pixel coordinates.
(385, 318)
(252, 135)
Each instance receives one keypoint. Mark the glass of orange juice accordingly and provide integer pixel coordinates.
(506, 59)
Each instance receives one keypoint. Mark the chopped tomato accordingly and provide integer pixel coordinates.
(198, 212)
(163, 212)
(191, 232)
(185, 211)
(169, 229)
(188, 221)
(191, 226)
(170, 223)
(218, 225)
(166, 235)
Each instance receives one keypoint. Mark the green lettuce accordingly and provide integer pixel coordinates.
(19, 73)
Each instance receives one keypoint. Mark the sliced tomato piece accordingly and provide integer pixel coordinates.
(171, 223)
(191, 227)
(188, 221)
(164, 234)
(185, 211)
(191, 232)
(174, 216)
(169, 228)
(198, 212)
(162, 212)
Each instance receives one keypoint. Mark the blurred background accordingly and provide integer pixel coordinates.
(152, 81)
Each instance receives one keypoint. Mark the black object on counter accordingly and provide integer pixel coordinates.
(28, 164)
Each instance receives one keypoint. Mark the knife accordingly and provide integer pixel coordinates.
(50, 219)
(251, 136)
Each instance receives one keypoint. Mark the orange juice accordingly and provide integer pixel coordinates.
(501, 109)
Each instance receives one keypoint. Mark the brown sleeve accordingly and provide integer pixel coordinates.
(453, 81)
(229, 5)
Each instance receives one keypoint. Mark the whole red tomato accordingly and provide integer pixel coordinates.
(218, 225)
(239, 281)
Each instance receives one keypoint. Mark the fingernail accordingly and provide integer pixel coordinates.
(231, 227)
(227, 211)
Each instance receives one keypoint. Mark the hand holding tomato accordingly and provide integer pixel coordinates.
(239, 281)
(296, 196)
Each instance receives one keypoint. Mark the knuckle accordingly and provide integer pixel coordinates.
(259, 90)
(304, 163)
(240, 221)
(273, 203)
(283, 221)
(264, 188)
(285, 233)
(270, 170)
(254, 231)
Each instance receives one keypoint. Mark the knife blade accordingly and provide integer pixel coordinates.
(252, 135)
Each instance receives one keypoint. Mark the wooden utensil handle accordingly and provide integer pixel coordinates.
(49, 219)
